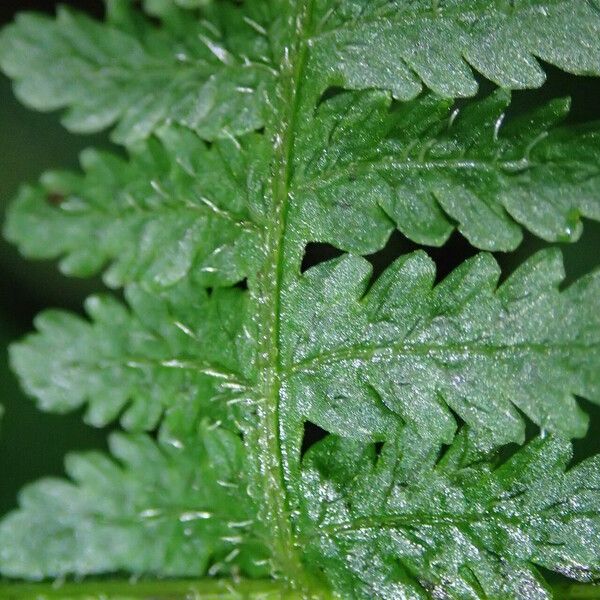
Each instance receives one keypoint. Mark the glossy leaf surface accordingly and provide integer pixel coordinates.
(253, 129)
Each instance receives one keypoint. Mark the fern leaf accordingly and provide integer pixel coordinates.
(357, 362)
(176, 210)
(401, 46)
(393, 370)
(153, 509)
(140, 77)
(182, 348)
(213, 77)
(431, 167)
(179, 209)
(408, 524)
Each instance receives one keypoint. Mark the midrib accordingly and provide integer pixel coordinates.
(264, 444)
(396, 351)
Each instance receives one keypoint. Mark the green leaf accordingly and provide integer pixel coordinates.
(177, 209)
(254, 129)
(209, 75)
(401, 46)
(407, 524)
(213, 74)
(180, 348)
(154, 509)
(429, 167)
(357, 361)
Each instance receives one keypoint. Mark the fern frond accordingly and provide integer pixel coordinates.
(432, 167)
(177, 209)
(152, 509)
(214, 75)
(180, 348)
(411, 524)
(131, 73)
(254, 129)
(403, 46)
(356, 362)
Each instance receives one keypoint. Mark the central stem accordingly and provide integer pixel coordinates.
(264, 438)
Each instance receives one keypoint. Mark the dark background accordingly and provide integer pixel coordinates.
(33, 444)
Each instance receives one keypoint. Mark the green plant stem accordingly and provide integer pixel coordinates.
(268, 480)
(209, 589)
